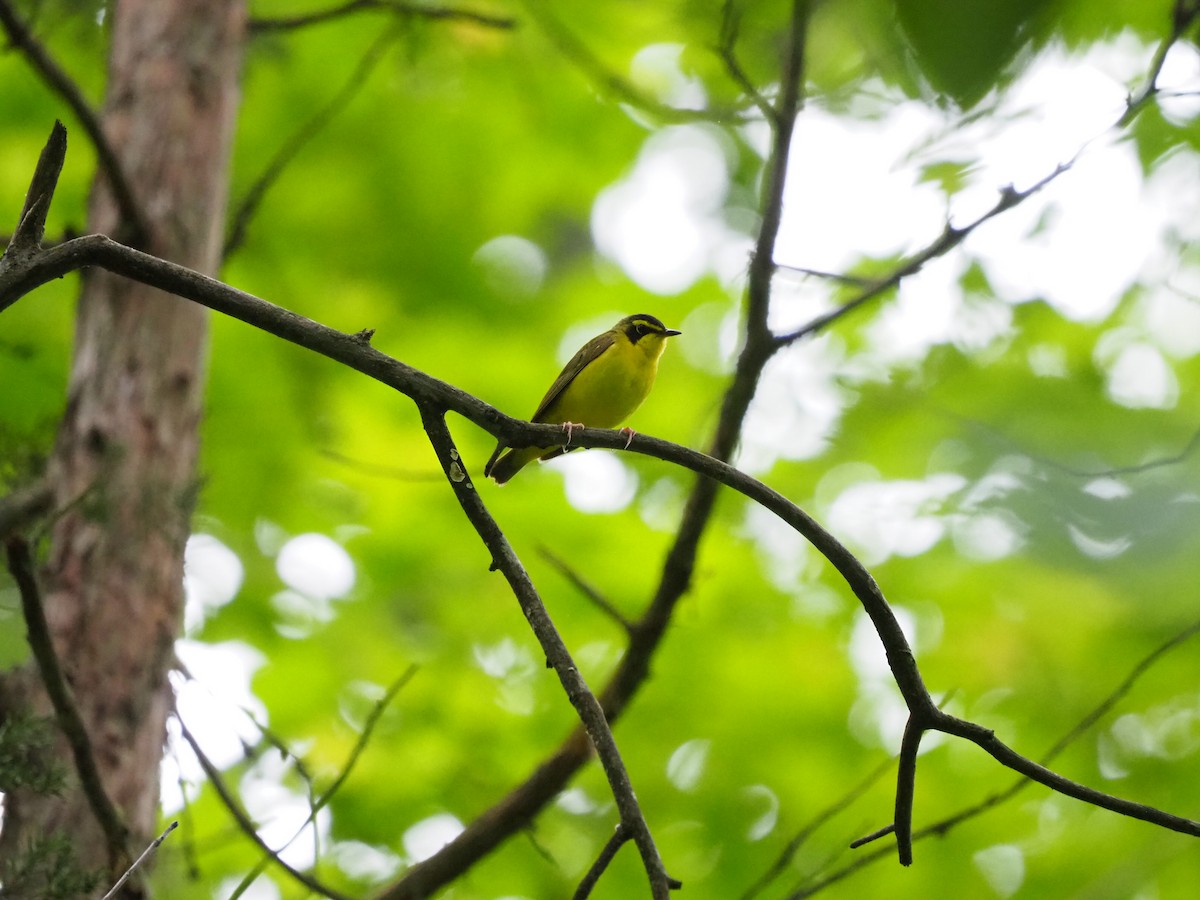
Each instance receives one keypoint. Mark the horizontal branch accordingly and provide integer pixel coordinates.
(430, 392)
(1002, 753)
(349, 349)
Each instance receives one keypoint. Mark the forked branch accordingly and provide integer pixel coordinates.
(435, 399)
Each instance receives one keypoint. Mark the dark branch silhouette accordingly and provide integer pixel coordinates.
(244, 822)
(320, 802)
(249, 205)
(154, 845)
(1183, 15)
(632, 823)
(588, 590)
(116, 833)
(434, 398)
(394, 7)
(945, 825)
(134, 222)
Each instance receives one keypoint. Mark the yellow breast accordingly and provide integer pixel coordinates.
(610, 387)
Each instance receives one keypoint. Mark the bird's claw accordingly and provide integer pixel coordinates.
(569, 428)
(629, 433)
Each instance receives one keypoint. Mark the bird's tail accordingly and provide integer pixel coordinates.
(502, 468)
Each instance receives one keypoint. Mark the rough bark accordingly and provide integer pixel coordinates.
(128, 441)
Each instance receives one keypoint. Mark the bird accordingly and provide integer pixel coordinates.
(600, 387)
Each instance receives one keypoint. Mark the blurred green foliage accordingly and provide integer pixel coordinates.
(1064, 525)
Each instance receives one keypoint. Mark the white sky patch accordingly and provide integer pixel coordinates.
(513, 266)
(316, 565)
(1177, 81)
(212, 576)
(1137, 374)
(762, 796)
(1048, 360)
(514, 670)
(596, 481)
(786, 554)
(366, 861)
(1097, 547)
(655, 69)
(662, 223)
(931, 309)
(1079, 245)
(1003, 867)
(687, 763)
(211, 702)
(1173, 321)
(988, 536)
(428, 836)
(577, 802)
(893, 518)
(281, 812)
(1107, 488)
(845, 196)
(300, 615)
(796, 407)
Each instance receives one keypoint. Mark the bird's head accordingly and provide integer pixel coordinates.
(643, 326)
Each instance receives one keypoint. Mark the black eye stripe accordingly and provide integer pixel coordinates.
(637, 327)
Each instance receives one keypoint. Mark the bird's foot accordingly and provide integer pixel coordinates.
(569, 428)
(629, 433)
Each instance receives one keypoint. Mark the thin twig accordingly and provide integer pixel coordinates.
(395, 7)
(861, 281)
(254, 197)
(327, 795)
(906, 789)
(784, 860)
(1183, 15)
(588, 590)
(941, 827)
(245, 824)
(135, 230)
(590, 713)
(137, 862)
(620, 89)
(31, 227)
(116, 834)
(1158, 462)
(607, 854)
(726, 49)
(950, 238)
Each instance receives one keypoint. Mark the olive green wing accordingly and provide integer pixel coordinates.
(587, 354)
(499, 466)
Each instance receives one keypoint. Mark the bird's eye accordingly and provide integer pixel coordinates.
(642, 330)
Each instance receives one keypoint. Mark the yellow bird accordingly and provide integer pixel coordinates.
(600, 387)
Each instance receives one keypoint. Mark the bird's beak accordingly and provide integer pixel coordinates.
(671, 332)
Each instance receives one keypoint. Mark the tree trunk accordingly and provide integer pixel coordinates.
(127, 444)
